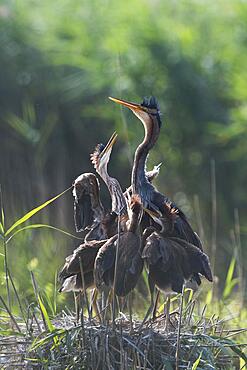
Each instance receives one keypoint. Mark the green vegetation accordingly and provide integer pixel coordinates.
(59, 61)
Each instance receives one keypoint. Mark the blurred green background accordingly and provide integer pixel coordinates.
(59, 62)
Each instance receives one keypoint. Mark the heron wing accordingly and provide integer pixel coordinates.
(86, 253)
(88, 208)
(157, 249)
(195, 260)
(130, 263)
(183, 230)
(83, 213)
(104, 263)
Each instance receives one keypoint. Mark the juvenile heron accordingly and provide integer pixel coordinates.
(173, 223)
(81, 260)
(100, 159)
(130, 262)
(89, 213)
(149, 114)
(171, 262)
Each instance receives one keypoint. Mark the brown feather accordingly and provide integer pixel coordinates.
(87, 252)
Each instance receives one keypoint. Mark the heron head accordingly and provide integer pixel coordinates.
(135, 207)
(156, 216)
(149, 107)
(101, 155)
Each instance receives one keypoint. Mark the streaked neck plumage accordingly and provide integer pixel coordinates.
(152, 130)
(119, 205)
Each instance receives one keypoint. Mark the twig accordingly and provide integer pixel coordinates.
(6, 271)
(130, 311)
(115, 276)
(35, 288)
(214, 214)
(84, 291)
(179, 329)
(199, 218)
(18, 299)
(239, 256)
(5, 249)
(10, 315)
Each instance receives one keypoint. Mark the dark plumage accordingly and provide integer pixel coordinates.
(149, 114)
(151, 103)
(174, 253)
(100, 158)
(89, 213)
(130, 263)
(70, 274)
(172, 261)
(74, 283)
(88, 209)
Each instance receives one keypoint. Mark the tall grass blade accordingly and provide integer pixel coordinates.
(34, 211)
(46, 340)
(2, 217)
(239, 257)
(1, 228)
(10, 315)
(18, 298)
(214, 214)
(55, 294)
(230, 281)
(190, 294)
(36, 292)
(145, 277)
(50, 327)
(209, 297)
(196, 363)
(2, 208)
(38, 226)
(242, 364)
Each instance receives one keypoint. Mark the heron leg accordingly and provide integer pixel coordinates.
(108, 303)
(77, 305)
(151, 307)
(155, 305)
(168, 323)
(94, 306)
(130, 310)
(105, 303)
(121, 303)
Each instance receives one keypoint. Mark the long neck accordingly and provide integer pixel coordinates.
(118, 200)
(134, 222)
(152, 131)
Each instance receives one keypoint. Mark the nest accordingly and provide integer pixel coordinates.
(90, 345)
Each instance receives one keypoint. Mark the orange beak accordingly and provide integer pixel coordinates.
(130, 105)
(110, 144)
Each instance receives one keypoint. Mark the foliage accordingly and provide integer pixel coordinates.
(59, 62)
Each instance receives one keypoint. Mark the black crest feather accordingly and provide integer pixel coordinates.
(151, 103)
